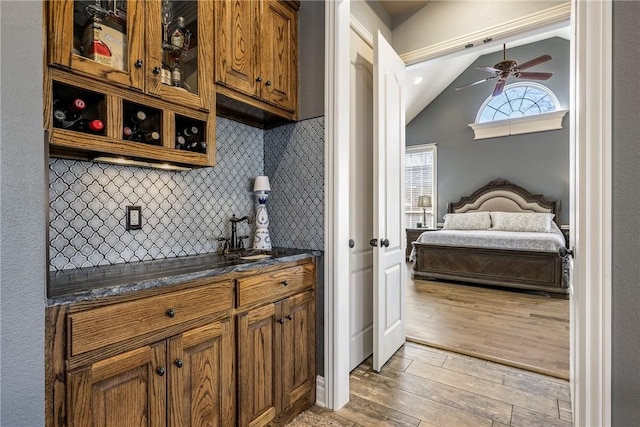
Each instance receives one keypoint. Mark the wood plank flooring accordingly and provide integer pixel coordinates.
(423, 386)
(528, 331)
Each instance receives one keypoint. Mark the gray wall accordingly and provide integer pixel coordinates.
(22, 216)
(626, 222)
(311, 59)
(538, 161)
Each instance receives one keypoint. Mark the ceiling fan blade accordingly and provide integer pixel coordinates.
(532, 75)
(499, 87)
(534, 62)
(475, 83)
(488, 69)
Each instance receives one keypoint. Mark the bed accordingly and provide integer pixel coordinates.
(500, 235)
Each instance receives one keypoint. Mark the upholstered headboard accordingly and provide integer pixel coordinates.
(501, 195)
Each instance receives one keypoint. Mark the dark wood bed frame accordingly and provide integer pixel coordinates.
(532, 270)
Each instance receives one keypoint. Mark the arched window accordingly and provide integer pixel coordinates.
(522, 107)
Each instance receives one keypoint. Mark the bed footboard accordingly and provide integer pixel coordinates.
(517, 269)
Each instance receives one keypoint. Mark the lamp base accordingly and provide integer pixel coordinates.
(262, 240)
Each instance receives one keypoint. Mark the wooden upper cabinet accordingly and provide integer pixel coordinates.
(73, 28)
(237, 45)
(125, 59)
(133, 47)
(257, 54)
(279, 63)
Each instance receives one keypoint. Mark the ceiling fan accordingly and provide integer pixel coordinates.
(510, 67)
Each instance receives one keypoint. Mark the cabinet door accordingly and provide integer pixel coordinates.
(200, 377)
(127, 389)
(279, 55)
(99, 39)
(179, 40)
(257, 362)
(237, 44)
(298, 349)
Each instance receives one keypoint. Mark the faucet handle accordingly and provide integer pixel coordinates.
(241, 241)
(224, 245)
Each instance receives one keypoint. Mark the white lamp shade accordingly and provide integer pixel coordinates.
(424, 201)
(261, 184)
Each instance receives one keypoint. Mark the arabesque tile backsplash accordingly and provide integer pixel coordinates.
(185, 212)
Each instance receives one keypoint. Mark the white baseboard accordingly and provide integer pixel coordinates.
(321, 396)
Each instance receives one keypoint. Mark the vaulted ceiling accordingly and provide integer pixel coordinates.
(427, 80)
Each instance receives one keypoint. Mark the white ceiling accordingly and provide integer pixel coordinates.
(437, 74)
(398, 8)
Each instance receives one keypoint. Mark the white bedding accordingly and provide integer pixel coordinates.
(515, 240)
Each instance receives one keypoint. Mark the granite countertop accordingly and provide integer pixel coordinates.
(95, 282)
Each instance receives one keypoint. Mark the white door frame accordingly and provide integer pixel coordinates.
(591, 174)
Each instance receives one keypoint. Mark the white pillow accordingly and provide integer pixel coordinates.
(467, 221)
(522, 221)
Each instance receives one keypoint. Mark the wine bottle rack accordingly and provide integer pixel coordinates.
(193, 133)
(93, 108)
(146, 129)
(127, 77)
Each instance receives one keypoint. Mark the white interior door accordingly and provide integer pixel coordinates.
(360, 202)
(389, 281)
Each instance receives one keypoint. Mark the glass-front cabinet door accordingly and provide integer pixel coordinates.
(99, 38)
(160, 47)
(179, 38)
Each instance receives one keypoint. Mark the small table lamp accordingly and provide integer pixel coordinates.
(261, 189)
(424, 202)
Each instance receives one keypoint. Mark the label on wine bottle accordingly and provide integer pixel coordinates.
(115, 42)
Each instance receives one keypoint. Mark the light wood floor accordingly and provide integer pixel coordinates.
(423, 386)
(518, 329)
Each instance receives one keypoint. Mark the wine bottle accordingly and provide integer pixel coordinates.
(98, 50)
(127, 132)
(134, 123)
(137, 118)
(165, 74)
(66, 113)
(189, 131)
(89, 125)
(148, 137)
(178, 35)
(176, 76)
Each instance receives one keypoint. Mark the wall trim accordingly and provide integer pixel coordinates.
(519, 125)
(336, 267)
(548, 17)
(361, 31)
(320, 392)
(591, 298)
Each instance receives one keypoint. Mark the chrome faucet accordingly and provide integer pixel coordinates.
(237, 241)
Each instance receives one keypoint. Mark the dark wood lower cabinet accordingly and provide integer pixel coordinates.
(186, 380)
(276, 360)
(236, 350)
(200, 377)
(121, 390)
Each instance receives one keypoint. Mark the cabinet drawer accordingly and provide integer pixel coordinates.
(91, 329)
(275, 285)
